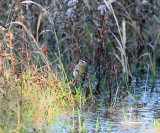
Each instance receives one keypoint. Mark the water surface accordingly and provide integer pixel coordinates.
(125, 116)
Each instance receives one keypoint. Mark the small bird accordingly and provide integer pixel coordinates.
(80, 70)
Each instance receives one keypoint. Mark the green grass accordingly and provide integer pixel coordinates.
(156, 126)
(41, 102)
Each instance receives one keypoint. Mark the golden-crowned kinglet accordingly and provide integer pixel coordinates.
(80, 70)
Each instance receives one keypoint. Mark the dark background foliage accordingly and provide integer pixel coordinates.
(78, 30)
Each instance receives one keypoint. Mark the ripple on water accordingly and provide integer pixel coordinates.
(127, 116)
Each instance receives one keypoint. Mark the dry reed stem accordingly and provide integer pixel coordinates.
(35, 46)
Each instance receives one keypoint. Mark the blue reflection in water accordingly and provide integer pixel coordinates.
(126, 116)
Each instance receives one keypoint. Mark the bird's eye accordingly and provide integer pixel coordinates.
(83, 61)
(77, 70)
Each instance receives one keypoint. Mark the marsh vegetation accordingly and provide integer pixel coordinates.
(41, 42)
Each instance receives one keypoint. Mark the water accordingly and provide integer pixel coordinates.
(126, 116)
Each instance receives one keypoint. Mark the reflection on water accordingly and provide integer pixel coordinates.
(127, 116)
